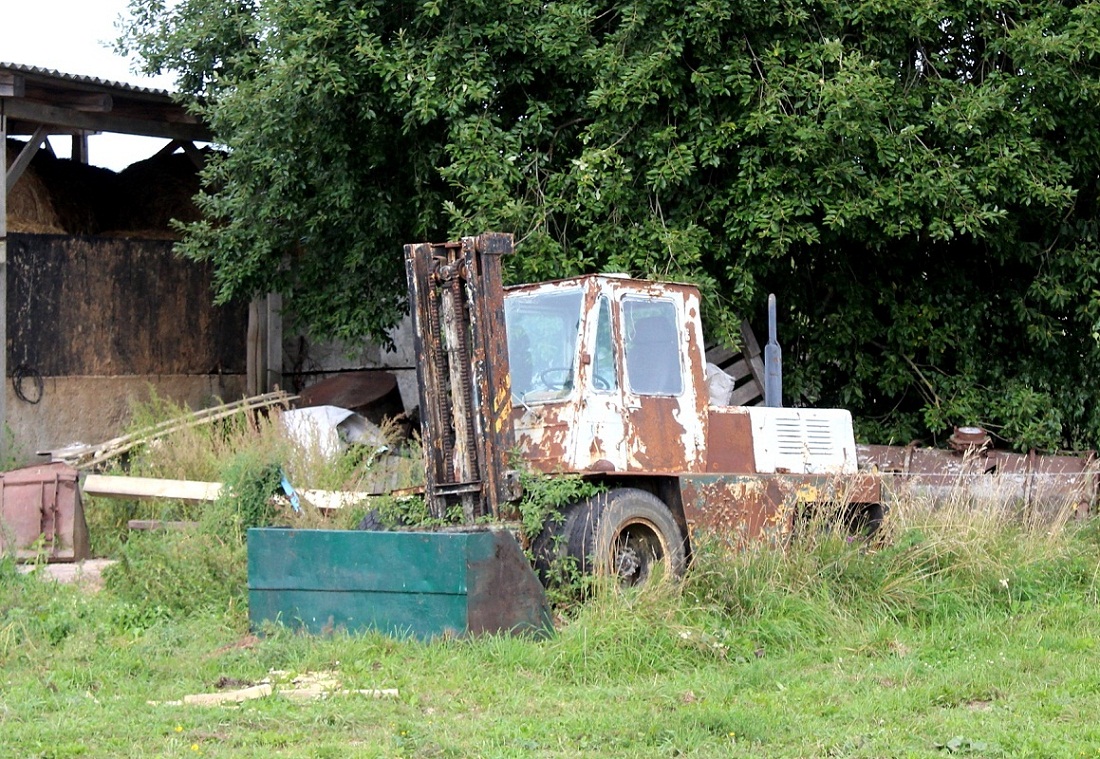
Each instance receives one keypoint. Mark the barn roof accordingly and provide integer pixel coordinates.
(33, 98)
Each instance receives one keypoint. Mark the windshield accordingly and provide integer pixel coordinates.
(543, 331)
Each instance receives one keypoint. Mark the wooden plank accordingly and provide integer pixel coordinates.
(84, 457)
(719, 354)
(194, 491)
(739, 370)
(142, 488)
(744, 395)
(330, 499)
(752, 354)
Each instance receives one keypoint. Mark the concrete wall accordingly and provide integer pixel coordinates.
(306, 361)
(94, 409)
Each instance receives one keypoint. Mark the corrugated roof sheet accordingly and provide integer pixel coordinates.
(89, 80)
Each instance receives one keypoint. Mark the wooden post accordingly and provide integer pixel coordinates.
(256, 368)
(80, 147)
(273, 379)
(3, 286)
(264, 345)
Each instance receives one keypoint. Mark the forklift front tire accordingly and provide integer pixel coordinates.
(635, 534)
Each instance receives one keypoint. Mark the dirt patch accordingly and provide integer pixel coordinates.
(87, 574)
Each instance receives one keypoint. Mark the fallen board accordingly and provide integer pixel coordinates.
(196, 491)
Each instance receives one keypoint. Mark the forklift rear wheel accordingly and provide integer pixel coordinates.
(635, 534)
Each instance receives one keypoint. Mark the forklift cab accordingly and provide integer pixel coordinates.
(607, 374)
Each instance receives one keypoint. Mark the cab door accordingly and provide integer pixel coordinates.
(664, 410)
(601, 423)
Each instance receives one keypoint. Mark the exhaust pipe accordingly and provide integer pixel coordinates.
(773, 363)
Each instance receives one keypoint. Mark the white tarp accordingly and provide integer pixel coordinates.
(330, 429)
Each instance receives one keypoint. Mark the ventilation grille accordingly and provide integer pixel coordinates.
(802, 440)
(800, 437)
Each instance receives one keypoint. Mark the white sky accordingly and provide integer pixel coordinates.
(74, 37)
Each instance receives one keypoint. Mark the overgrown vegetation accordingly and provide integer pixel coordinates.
(202, 567)
(915, 180)
(960, 630)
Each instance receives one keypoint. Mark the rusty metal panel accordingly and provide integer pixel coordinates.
(729, 441)
(485, 292)
(739, 509)
(372, 393)
(465, 401)
(742, 509)
(41, 514)
(1034, 484)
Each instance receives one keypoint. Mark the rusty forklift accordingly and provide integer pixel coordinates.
(603, 377)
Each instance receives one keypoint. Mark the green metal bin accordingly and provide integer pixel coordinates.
(421, 584)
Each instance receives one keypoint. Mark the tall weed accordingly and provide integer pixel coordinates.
(931, 564)
(204, 565)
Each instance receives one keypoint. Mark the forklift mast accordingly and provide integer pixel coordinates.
(456, 298)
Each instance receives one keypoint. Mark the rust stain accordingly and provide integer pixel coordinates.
(729, 441)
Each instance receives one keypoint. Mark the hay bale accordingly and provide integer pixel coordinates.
(85, 197)
(153, 193)
(30, 206)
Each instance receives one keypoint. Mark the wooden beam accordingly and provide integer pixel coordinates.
(4, 446)
(106, 122)
(12, 85)
(195, 491)
(26, 155)
(195, 155)
(93, 102)
(169, 149)
(142, 488)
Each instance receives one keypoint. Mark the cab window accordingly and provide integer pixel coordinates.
(603, 364)
(543, 332)
(652, 347)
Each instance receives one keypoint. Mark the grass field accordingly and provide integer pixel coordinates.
(961, 631)
(941, 641)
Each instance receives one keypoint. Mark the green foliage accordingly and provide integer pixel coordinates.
(916, 180)
(544, 496)
(205, 566)
(181, 573)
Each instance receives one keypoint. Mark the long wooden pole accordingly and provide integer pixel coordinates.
(3, 286)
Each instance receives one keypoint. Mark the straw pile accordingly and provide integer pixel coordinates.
(30, 207)
(58, 196)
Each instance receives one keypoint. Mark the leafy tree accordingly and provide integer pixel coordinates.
(916, 179)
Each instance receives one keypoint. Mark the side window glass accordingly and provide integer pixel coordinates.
(652, 347)
(543, 334)
(603, 365)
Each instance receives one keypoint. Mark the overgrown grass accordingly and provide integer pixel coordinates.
(246, 451)
(957, 631)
